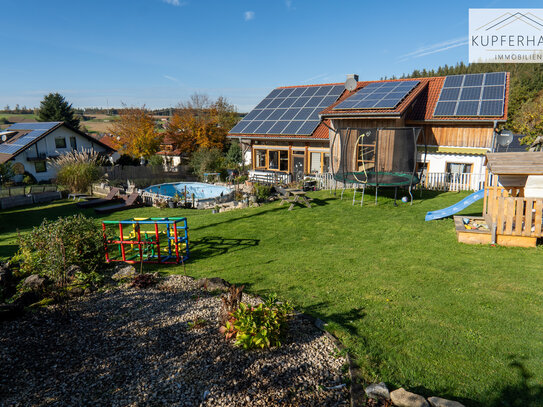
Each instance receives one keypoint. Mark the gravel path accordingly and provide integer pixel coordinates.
(129, 347)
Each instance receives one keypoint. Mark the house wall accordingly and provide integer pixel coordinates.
(437, 162)
(46, 148)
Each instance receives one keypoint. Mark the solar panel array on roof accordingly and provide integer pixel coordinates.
(378, 95)
(292, 111)
(33, 126)
(35, 131)
(472, 95)
(16, 145)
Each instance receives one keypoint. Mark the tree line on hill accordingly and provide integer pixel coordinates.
(525, 107)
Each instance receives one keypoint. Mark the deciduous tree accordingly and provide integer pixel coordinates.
(54, 108)
(136, 133)
(200, 123)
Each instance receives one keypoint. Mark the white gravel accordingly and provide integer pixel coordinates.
(130, 347)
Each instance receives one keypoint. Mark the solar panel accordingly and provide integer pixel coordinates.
(472, 95)
(33, 126)
(293, 111)
(378, 95)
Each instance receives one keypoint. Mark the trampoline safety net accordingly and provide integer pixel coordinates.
(378, 157)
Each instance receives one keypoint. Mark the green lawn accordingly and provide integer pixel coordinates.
(415, 307)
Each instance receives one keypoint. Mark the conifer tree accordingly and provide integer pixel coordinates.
(54, 108)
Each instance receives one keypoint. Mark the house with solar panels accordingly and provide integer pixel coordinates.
(31, 144)
(291, 132)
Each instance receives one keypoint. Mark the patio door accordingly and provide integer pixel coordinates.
(298, 161)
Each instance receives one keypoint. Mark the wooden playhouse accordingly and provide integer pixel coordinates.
(513, 202)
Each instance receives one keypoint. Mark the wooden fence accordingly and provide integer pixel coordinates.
(512, 213)
(26, 190)
(439, 181)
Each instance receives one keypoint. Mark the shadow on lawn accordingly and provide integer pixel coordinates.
(522, 393)
(210, 246)
(346, 320)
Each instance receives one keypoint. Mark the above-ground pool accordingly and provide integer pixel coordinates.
(201, 190)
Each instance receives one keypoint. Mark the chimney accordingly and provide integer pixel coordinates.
(353, 75)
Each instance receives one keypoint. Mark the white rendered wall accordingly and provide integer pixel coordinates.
(47, 146)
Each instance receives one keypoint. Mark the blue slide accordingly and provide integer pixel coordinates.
(457, 207)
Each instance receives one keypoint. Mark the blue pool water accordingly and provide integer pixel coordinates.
(200, 190)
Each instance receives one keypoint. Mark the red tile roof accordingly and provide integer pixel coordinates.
(422, 100)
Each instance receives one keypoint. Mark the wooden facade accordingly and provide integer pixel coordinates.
(458, 135)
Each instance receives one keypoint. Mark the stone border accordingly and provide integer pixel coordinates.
(356, 390)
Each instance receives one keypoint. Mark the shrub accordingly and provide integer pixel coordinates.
(262, 191)
(241, 179)
(258, 327)
(77, 170)
(49, 249)
(155, 160)
(206, 160)
(6, 172)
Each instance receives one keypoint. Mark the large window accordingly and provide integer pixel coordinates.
(60, 142)
(277, 160)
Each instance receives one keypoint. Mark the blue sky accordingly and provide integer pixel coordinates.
(159, 52)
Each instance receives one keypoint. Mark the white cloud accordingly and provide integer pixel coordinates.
(175, 2)
(171, 78)
(249, 15)
(435, 48)
(288, 3)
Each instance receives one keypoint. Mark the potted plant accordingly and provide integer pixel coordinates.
(176, 200)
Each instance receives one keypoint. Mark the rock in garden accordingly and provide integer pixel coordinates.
(214, 283)
(76, 291)
(124, 273)
(73, 270)
(378, 391)
(35, 282)
(5, 275)
(439, 402)
(403, 398)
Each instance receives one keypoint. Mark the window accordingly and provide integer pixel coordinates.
(455, 171)
(283, 160)
(260, 158)
(273, 160)
(60, 142)
(325, 162)
(458, 168)
(320, 163)
(40, 166)
(315, 163)
(73, 143)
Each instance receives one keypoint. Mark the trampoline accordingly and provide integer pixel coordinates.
(375, 157)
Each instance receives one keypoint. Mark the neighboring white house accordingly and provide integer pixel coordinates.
(31, 144)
